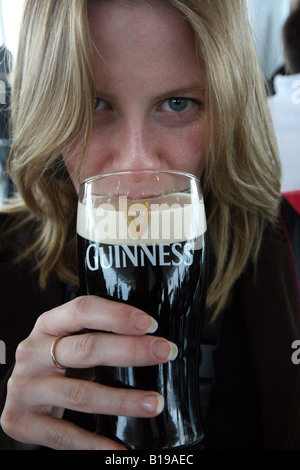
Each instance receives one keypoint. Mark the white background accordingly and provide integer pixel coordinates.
(10, 17)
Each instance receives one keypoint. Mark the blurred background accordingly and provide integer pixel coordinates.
(10, 17)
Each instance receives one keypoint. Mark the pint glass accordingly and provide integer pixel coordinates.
(142, 240)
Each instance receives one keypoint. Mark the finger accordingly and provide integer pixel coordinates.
(95, 313)
(105, 349)
(46, 431)
(88, 397)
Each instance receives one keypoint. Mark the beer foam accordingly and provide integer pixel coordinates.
(166, 219)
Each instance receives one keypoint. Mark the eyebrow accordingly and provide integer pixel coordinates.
(186, 90)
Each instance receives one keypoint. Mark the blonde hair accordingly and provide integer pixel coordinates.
(54, 82)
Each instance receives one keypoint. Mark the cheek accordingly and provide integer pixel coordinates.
(71, 156)
(81, 168)
(188, 150)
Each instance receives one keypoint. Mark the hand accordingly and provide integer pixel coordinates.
(38, 391)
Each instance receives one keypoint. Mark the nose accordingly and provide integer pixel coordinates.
(137, 146)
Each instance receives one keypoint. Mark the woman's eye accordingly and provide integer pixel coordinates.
(178, 105)
(99, 104)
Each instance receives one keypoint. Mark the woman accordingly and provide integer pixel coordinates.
(110, 85)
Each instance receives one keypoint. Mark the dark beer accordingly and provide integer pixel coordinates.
(167, 280)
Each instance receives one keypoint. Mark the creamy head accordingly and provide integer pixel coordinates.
(167, 219)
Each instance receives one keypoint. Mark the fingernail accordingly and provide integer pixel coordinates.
(144, 322)
(153, 403)
(164, 350)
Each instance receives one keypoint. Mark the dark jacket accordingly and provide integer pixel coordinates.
(255, 395)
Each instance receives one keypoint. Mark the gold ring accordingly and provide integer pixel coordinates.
(57, 364)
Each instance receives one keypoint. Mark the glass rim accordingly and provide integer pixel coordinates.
(99, 176)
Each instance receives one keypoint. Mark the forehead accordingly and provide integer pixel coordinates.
(122, 12)
(147, 36)
(139, 24)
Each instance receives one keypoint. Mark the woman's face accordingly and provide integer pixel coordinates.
(149, 111)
